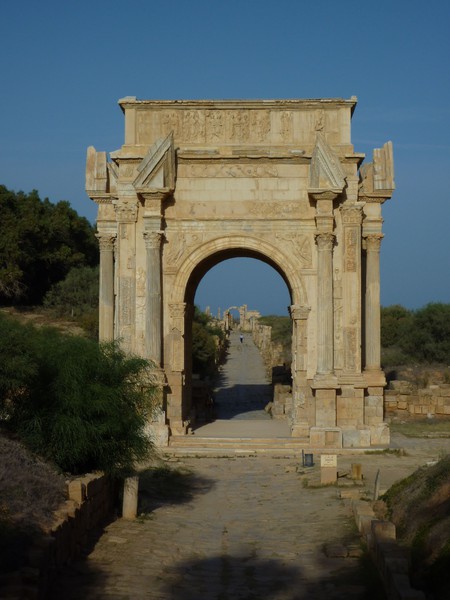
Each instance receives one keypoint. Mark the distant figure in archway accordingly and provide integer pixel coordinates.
(241, 337)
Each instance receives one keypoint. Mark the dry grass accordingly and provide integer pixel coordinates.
(30, 490)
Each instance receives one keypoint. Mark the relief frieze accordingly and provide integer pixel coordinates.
(274, 209)
(224, 170)
(215, 126)
(179, 244)
(300, 245)
(351, 237)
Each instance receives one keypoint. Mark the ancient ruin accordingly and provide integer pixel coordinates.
(198, 182)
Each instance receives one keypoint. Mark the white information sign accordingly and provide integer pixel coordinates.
(328, 460)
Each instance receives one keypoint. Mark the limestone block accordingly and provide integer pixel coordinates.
(383, 530)
(375, 391)
(391, 393)
(380, 435)
(404, 387)
(402, 405)
(351, 438)
(356, 438)
(317, 437)
(76, 490)
(159, 434)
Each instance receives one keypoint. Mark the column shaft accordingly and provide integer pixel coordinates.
(372, 324)
(106, 292)
(153, 327)
(325, 331)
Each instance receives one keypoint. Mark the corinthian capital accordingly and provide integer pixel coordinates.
(372, 242)
(153, 239)
(325, 241)
(106, 241)
(352, 214)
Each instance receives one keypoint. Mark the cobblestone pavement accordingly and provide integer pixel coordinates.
(244, 528)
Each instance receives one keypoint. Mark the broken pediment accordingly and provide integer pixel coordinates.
(377, 177)
(157, 169)
(101, 176)
(326, 172)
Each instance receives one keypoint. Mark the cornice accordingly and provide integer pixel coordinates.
(291, 104)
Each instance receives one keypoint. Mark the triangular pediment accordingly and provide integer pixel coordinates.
(157, 169)
(326, 172)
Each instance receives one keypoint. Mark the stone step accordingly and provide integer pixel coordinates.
(228, 446)
(194, 440)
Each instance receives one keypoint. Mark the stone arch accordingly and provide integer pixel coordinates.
(200, 260)
(210, 253)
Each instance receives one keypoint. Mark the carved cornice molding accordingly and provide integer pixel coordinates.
(318, 195)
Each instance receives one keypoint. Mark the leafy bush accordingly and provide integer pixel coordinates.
(83, 406)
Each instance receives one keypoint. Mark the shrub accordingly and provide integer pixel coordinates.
(83, 406)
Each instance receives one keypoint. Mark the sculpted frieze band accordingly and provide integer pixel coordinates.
(213, 125)
(223, 170)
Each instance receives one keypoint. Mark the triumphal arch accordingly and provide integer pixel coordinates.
(198, 182)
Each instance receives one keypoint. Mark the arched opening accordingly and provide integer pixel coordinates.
(234, 287)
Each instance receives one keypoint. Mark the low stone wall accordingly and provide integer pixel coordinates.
(403, 398)
(391, 560)
(89, 505)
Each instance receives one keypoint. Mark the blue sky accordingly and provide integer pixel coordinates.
(64, 65)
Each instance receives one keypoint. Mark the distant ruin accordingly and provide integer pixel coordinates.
(199, 182)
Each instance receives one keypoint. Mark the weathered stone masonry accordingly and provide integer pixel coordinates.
(197, 182)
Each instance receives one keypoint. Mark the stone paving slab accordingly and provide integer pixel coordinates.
(250, 529)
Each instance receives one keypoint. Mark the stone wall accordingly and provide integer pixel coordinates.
(391, 559)
(405, 399)
(89, 505)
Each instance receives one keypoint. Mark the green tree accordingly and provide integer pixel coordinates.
(76, 297)
(81, 405)
(429, 338)
(396, 321)
(207, 344)
(39, 243)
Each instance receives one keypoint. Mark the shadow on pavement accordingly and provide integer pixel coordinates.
(165, 485)
(240, 399)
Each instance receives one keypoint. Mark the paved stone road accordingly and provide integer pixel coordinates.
(245, 528)
(243, 389)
